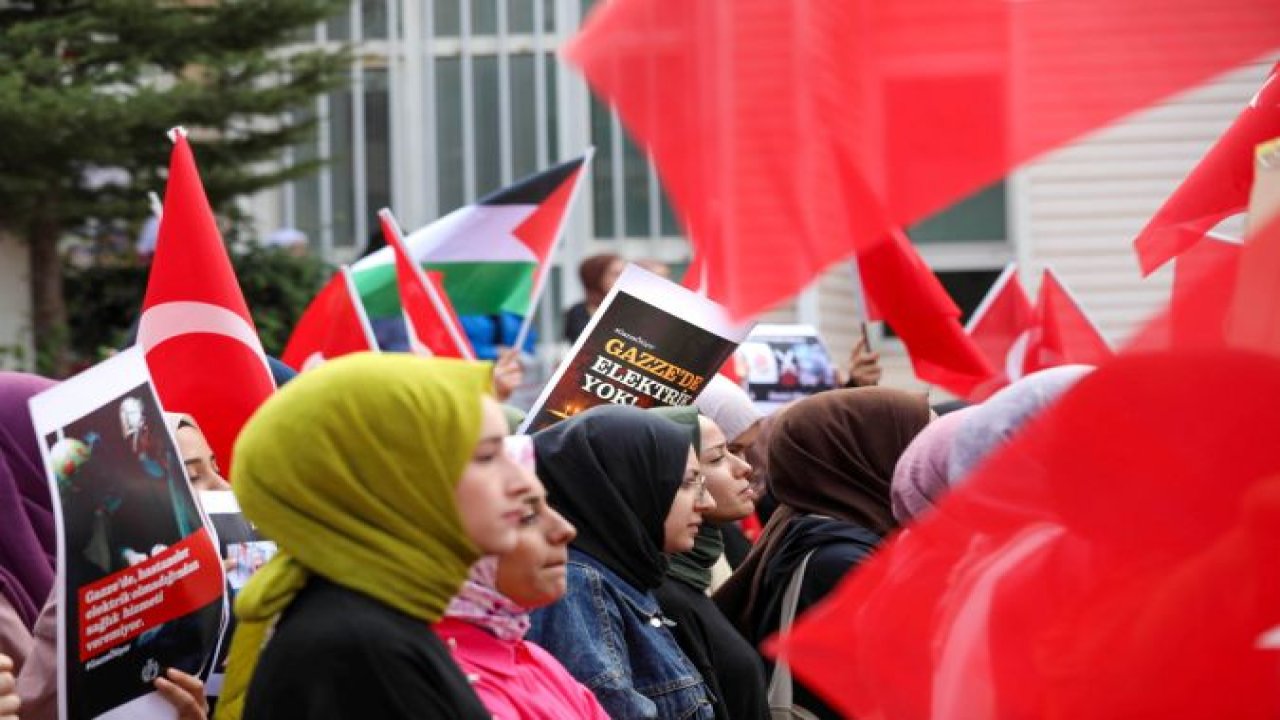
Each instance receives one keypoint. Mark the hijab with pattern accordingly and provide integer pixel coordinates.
(352, 469)
(831, 454)
(614, 471)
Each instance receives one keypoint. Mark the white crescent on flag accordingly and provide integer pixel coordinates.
(169, 320)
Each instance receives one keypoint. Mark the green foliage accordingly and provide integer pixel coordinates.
(92, 84)
(278, 287)
(104, 300)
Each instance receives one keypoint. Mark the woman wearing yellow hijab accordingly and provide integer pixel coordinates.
(382, 479)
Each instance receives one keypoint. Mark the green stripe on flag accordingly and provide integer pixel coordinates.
(482, 288)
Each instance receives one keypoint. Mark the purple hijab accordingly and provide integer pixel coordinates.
(920, 477)
(28, 548)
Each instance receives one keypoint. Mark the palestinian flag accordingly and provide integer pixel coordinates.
(494, 255)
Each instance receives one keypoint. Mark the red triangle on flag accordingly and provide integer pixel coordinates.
(199, 339)
(541, 229)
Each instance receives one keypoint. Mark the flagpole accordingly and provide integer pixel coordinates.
(539, 282)
(455, 332)
(860, 314)
(356, 302)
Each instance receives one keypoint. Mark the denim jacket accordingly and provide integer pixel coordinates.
(614, 640)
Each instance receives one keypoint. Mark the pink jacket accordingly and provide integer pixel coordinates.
(517, 680)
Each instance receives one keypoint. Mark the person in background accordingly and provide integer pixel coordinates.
(381, 478)
(920, 477)
(729, 406)
(485, 623)
(631, 484)
(992, 423)
(730, 666)
(655, 266)
(863, 367)
(831, 460)
(290, 240)
(598, 273)
(197, 456)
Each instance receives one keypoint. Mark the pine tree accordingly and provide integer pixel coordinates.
(92, 85)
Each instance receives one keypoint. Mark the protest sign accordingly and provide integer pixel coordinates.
(785, 363)
(243, 551)
(650, 343)
(139, 585)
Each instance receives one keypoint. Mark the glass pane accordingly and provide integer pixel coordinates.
(341, 138)
(636, 188)
(548, 16)
(306, 190)
(377, 119)
(484, 17)
(602, 173)
(445, 17)
(520, 16)
(670, 226)
(373, 19)
(340, 24)
(982, 216)
(524, 128)
(552, 109)
(448, 104)
(488, 147)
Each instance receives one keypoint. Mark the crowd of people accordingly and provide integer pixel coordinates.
(427, 568)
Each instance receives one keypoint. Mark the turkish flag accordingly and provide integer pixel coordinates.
(1217, 187)
(433, 325)
(789, 134)
(1000, 327)
(333, 324)
(200, 342)
(1061, 332)
(1116, 559)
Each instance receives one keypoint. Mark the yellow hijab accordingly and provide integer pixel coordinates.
(351, 469)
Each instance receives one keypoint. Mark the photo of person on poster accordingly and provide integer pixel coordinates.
(140, 581)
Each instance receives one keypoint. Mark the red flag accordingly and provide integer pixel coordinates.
(1001, 325)
(1061, 333)
(432, 324)
(1093, 569)
(917, 307)
(333, 324)
(825, 124)
(1217, 187)
(1122, 568)
(200, 343)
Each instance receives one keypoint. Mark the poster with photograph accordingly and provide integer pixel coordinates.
(243, 551)
(139, 585)
(785, 363)
(650, 343)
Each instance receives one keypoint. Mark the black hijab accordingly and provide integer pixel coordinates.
(613, 471)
